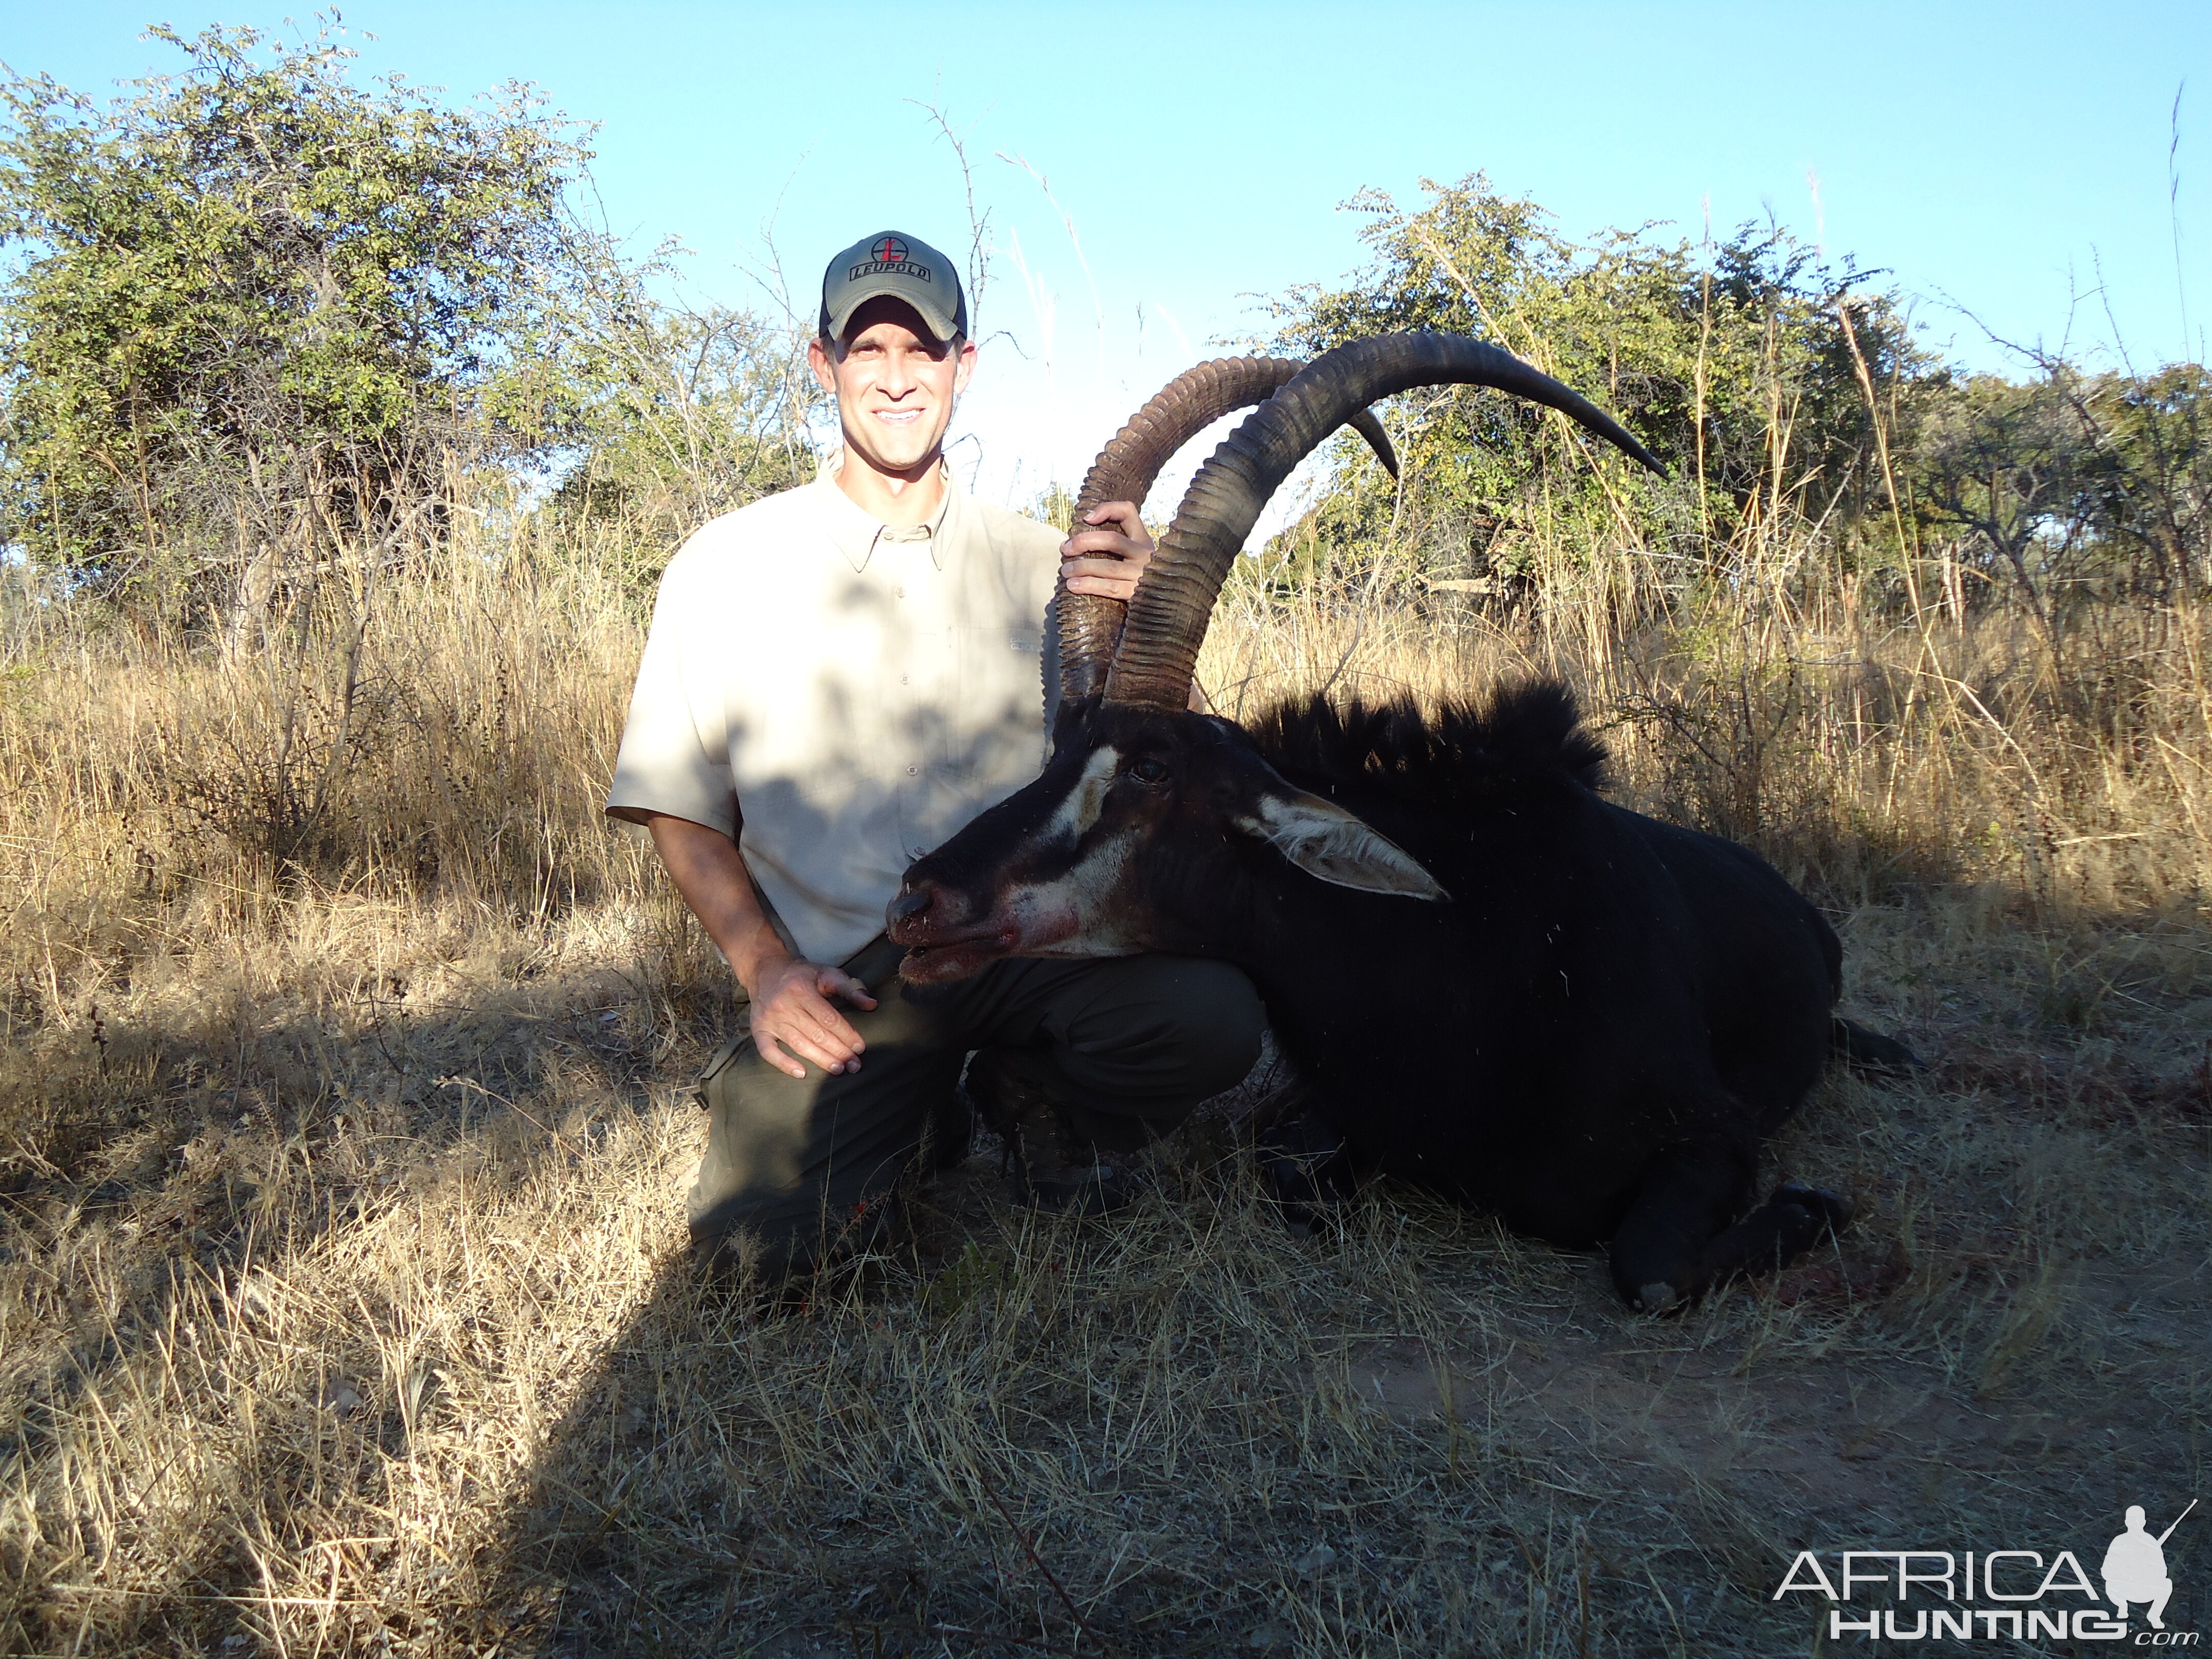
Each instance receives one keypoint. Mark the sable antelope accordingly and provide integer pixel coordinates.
(1504, 986)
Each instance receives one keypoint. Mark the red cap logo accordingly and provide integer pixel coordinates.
(888, 251)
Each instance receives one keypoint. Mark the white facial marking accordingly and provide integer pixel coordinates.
(1339, 847)
(1086, 800)
(1075, 916)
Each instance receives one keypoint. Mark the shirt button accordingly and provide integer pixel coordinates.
(898, 592)
(902, 679)
(913, 771)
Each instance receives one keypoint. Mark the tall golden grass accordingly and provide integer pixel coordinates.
(344, 1113)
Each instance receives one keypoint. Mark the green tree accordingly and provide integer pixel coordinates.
(2002, 473)
(1753, 369)
(665, 411)
(254, 306)
(2149, 483)
(2067, 486)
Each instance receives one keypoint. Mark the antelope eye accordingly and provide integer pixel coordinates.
(1147, 770)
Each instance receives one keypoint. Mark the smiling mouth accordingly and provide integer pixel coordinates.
(898, 417)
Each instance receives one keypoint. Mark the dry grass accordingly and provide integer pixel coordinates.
(345, 1113)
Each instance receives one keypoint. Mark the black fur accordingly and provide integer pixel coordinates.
(1461, 755)
(1589, 1039)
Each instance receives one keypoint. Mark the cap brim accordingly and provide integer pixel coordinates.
(941, 323)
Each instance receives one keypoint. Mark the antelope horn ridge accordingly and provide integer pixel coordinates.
(1090, 626)
(1167, 620)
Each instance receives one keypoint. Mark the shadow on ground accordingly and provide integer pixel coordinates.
(325, 1354)
(1185, 1433)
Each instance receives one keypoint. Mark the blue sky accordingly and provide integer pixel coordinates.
(2012, 160)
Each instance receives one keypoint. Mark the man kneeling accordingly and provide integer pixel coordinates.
(837, 679)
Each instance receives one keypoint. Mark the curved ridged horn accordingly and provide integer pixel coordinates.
(1167, 619)
(1089, 626)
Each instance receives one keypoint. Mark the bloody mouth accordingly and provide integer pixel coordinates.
(955, 958)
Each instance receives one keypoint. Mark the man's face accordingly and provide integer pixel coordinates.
(894, 386)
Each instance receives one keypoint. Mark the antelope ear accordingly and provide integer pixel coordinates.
(1337, 847)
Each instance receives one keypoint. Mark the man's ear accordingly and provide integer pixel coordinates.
(1337, 847)
(819, 359)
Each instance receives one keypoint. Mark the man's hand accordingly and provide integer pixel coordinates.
(791, 1006)
(791, 1013)
(1107, 560)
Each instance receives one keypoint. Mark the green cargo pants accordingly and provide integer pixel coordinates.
(1127, 1046)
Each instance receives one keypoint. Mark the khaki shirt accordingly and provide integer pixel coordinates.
(862, 690)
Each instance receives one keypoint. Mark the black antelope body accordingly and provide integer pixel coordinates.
(1502, 986)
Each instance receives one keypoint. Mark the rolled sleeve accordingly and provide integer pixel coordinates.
(675, 748)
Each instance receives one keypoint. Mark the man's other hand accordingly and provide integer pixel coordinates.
(1107, 560)
(791, 1007)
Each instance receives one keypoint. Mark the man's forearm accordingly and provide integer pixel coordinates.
(706, 869)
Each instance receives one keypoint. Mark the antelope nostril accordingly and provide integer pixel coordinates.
(906, 906)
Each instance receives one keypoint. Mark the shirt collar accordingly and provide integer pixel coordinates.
(857, 532)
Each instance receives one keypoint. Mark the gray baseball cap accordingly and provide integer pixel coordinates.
(903, 267)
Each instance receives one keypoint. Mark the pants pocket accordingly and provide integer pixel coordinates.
(716, 1067)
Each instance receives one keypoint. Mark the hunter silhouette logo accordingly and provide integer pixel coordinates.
(2028, 1597)
(2134, 1566)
